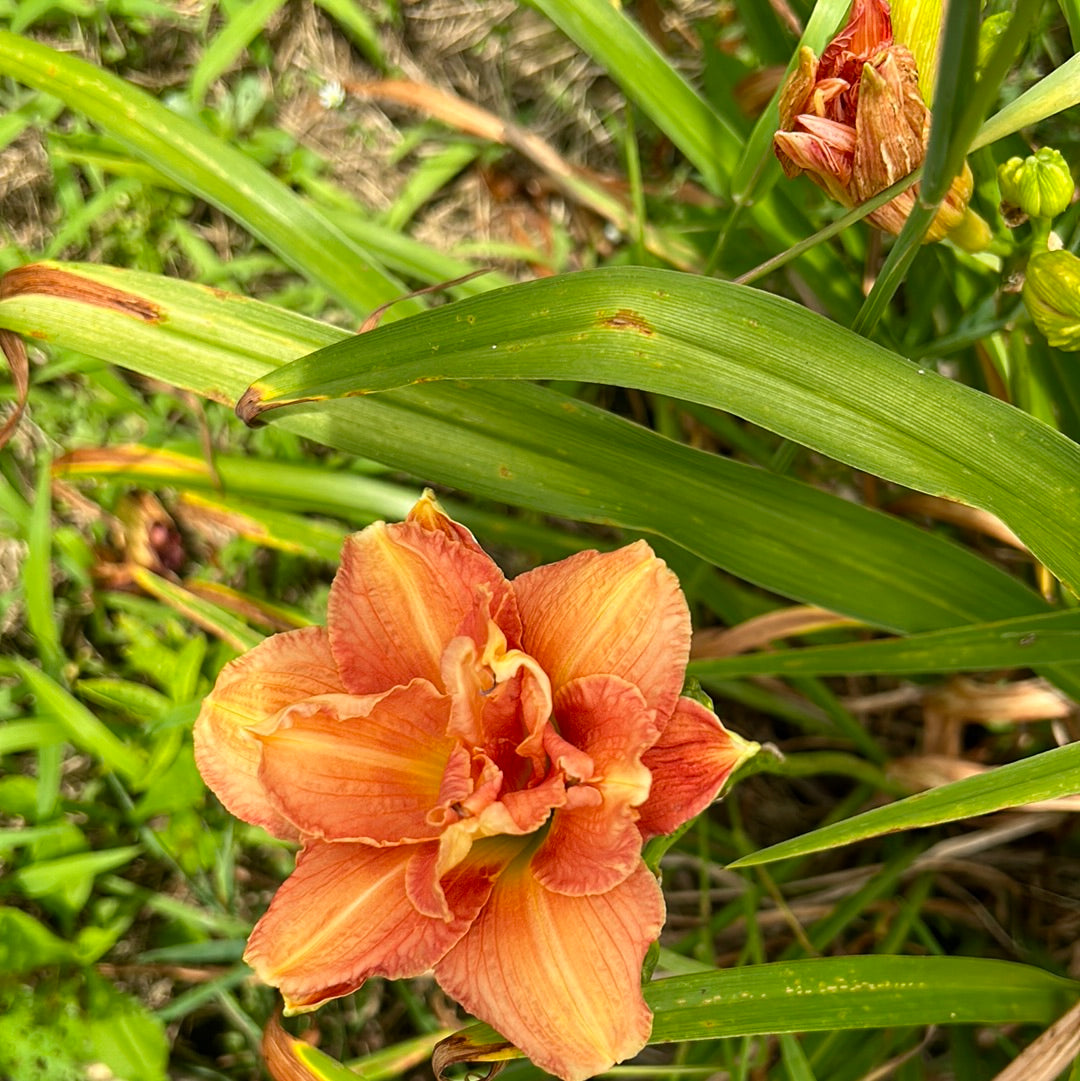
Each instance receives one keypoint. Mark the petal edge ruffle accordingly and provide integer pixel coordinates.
(280, 671)
(401, 594)
(618, 613)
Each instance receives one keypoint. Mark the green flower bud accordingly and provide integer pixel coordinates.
(1040, 186)
(1052, 296)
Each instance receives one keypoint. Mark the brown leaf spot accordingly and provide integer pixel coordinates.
(625, 319)
(44, 280)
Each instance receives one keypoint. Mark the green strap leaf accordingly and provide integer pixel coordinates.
(732, 347)
(527, 445)
(1053, 638)
(1043, 776)
(830, 993)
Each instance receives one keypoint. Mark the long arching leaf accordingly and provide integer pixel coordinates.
(527, 445)
(732, 347)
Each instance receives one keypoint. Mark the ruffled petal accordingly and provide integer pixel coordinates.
(559, 976)
(361, 768)
(614, 613)
(277, 673)
(592, 847)
(401, 594)
(343, 916)
(690, 763)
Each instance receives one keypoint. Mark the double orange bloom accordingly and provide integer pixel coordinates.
(472, 766)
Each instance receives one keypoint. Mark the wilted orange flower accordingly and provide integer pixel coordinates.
(472, 765)
(855, 122)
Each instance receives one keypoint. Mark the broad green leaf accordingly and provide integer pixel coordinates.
(26, 944)
(527, 445)
(1042, 776)
(1055, 92)
(732, 347)
(210, 168)
(125, 695)
(1052, 638)
(78, 1027)
(124, 1034)
(830, 993)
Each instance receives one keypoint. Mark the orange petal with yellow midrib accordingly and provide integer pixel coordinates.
(361, 768)
(613, 613)
(559, 976)
(689, 764)
(343, 916)
(401, 594)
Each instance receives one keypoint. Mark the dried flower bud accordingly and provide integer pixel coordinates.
(1039, 186)
(855, 122)
(1052, 296)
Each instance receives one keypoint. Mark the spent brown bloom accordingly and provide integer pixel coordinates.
(855, 121)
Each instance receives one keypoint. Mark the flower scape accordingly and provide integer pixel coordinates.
(471, 766)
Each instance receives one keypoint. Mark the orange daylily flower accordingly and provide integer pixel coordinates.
(855, 121)
(472, 765)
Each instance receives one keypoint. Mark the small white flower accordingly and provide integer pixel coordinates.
(331, 95)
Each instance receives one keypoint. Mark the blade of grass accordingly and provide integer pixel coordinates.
(359, 26)
(247, 21)
(83, 729)
(203, 613)
(619, 45)
(37, 576)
